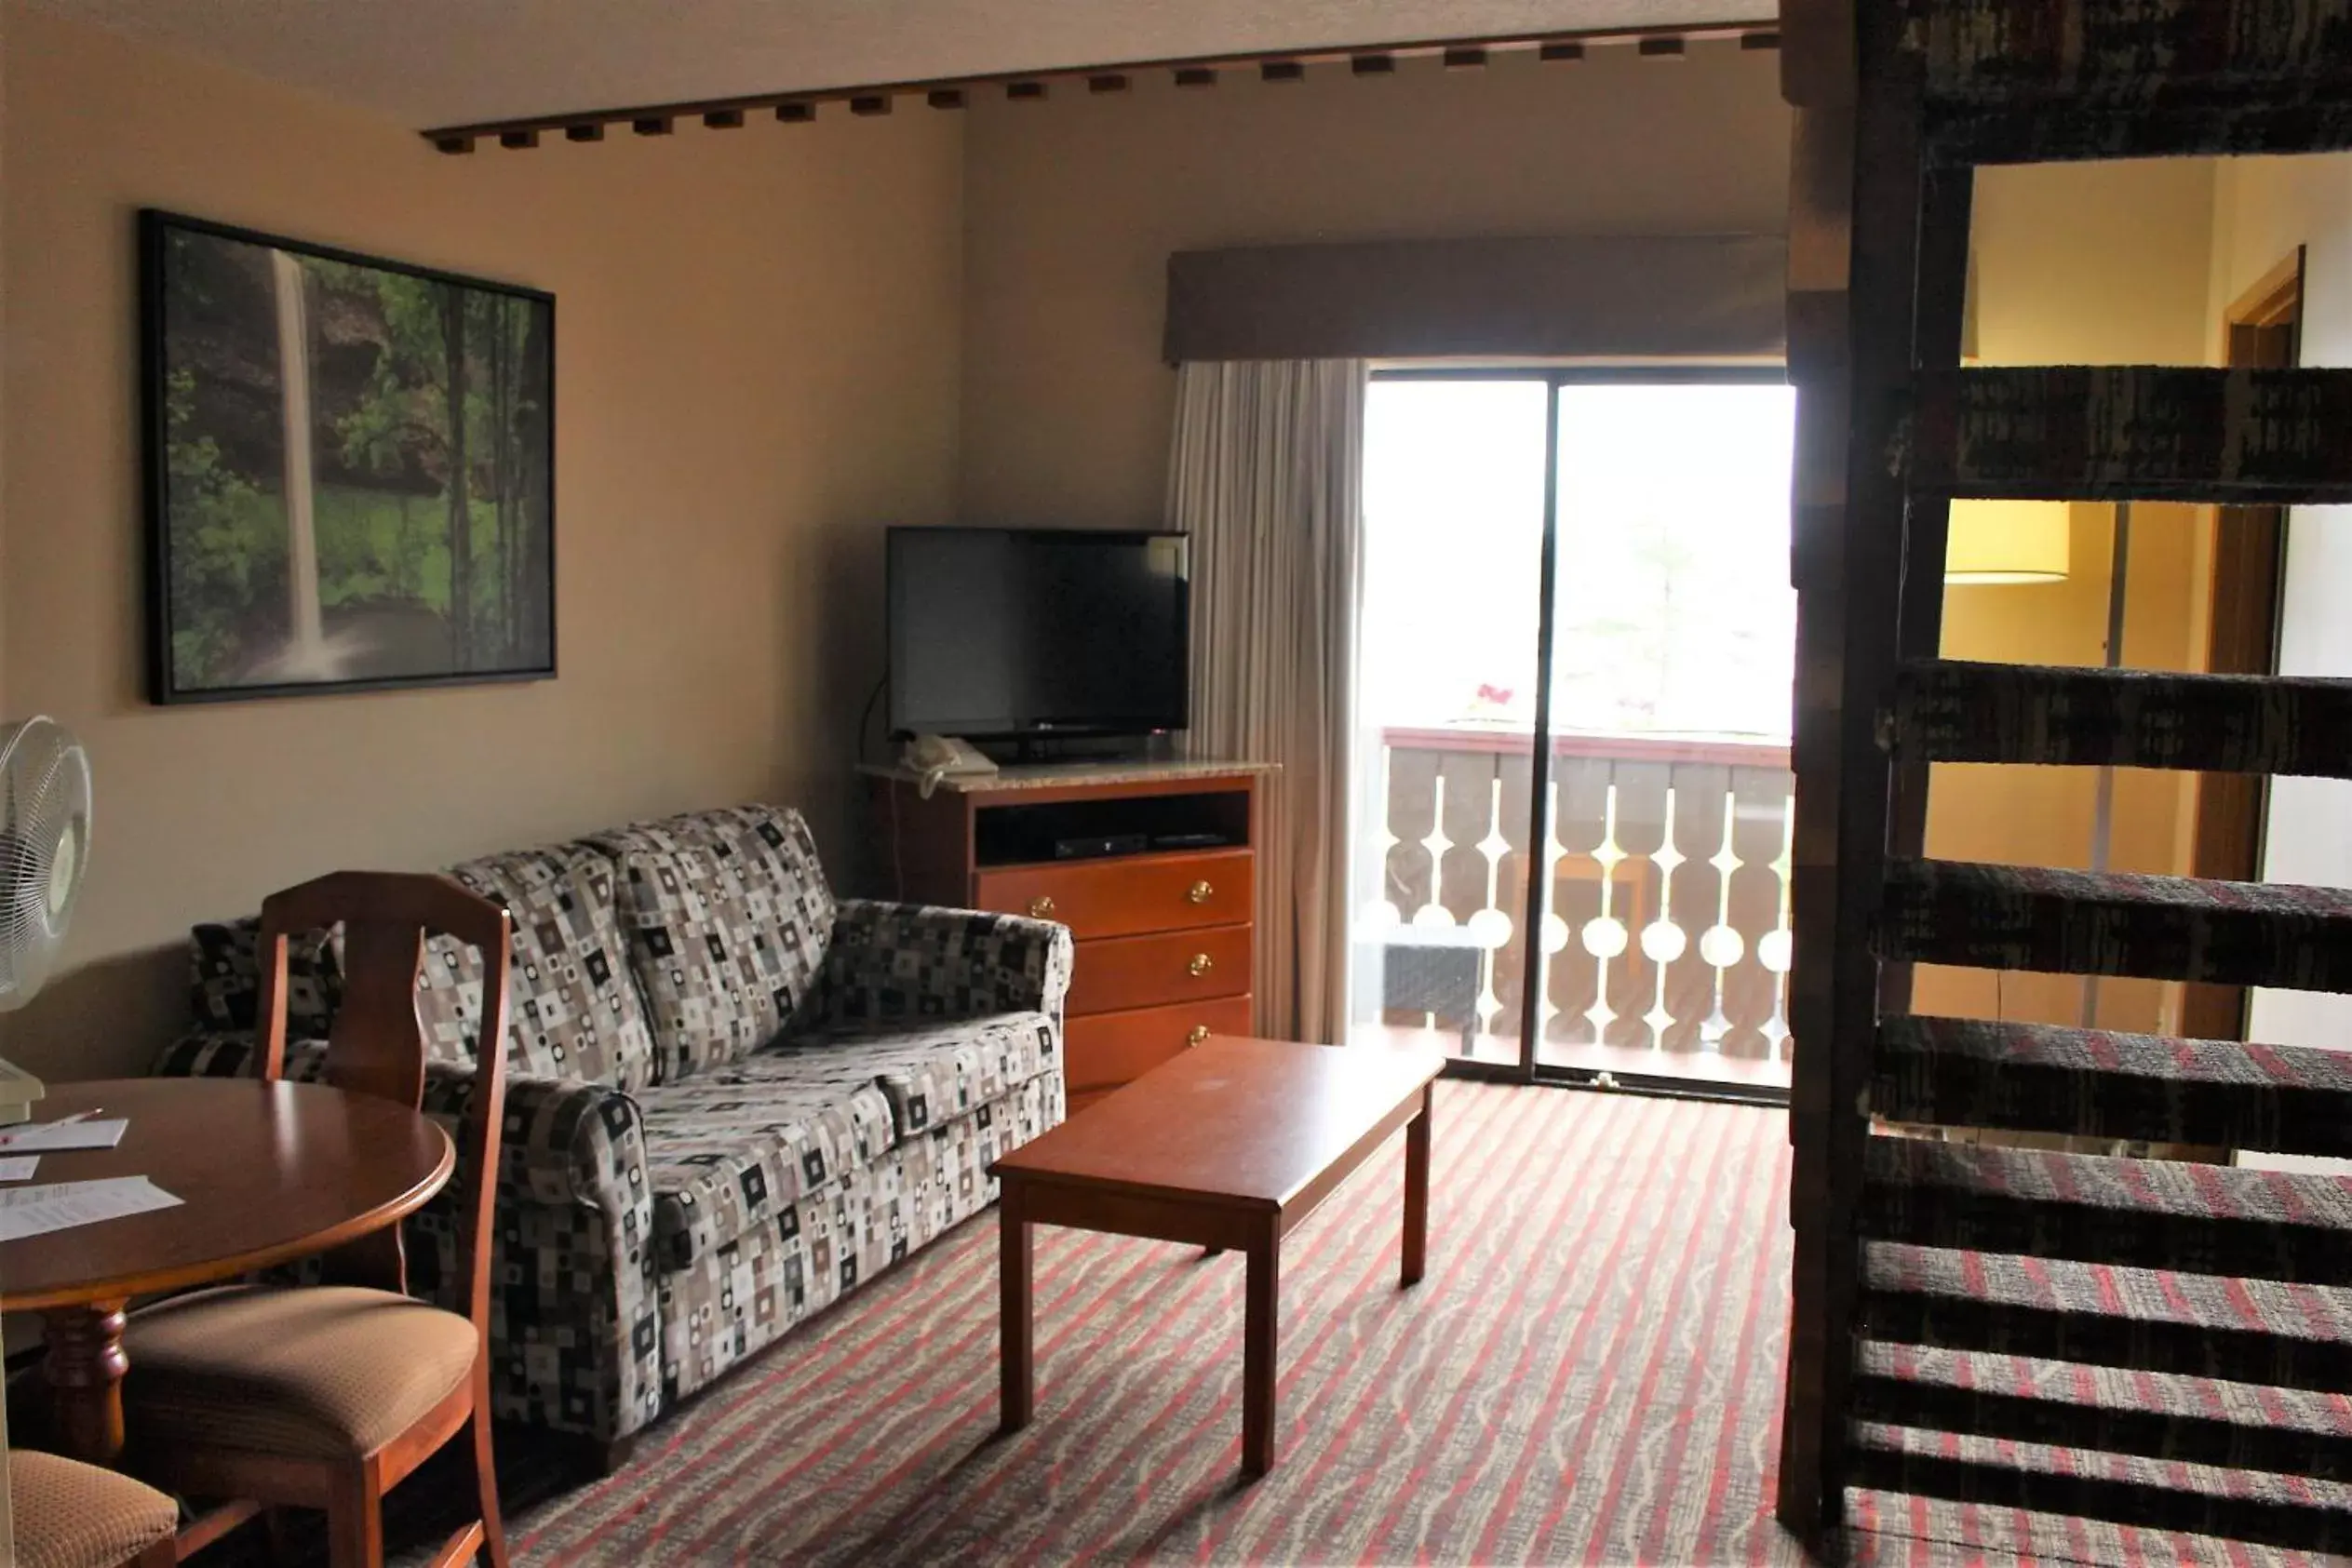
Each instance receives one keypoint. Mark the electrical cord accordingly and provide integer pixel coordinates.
(866, 715)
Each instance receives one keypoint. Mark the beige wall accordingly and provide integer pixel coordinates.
(2088, 264)
(1074, 205)
(757, 351)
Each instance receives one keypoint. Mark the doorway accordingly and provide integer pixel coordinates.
(2250, 556)
(1571, 856)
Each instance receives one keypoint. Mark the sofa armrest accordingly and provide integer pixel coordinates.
(576, 1334)
(563, 1141)
(214, 1053)
(910, 961)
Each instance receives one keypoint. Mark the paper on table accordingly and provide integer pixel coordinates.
(46, 1206)
(18, 1170)
(53, 1135)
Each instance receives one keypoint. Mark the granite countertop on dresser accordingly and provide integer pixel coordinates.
(1066, 775)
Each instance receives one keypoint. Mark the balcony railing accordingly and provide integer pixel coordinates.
(1667, 927)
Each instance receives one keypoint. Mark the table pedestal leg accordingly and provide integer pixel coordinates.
(1019, 1397)
(1262, 1295)
(1417, 1189)
(85, 1372)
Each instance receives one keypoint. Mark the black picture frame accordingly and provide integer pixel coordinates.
(231, 613)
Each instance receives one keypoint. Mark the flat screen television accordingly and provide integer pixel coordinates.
(1019, 634)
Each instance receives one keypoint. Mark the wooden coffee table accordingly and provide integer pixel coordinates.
(1230, 1145)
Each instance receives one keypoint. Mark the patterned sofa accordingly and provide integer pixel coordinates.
(731, 1099)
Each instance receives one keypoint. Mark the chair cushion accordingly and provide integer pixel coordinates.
(71, 1515)
(572, 1011)
(738, 1145)
(727, 915)
(317, 1373)
(935, 1072)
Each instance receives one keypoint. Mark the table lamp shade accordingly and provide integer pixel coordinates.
(1995, 542)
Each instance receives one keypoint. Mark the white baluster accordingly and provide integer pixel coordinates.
(1434, 913)
(1662, 941)
(1490, 925)
(1554, 930)
(1720, 946)
(1380, 913)
(1604, 934)
(1775, 949)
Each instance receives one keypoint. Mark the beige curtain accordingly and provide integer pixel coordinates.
(1266, 474)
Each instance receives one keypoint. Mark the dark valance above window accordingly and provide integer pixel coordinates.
(1686, 295)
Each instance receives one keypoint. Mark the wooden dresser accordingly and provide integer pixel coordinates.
(1151, 865)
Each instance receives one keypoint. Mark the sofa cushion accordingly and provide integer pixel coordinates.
(226, 977)
(935, 1072)
(727, 915)
(572, 1010)
(739, 1144)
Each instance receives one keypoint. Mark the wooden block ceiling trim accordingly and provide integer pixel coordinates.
(876, 98)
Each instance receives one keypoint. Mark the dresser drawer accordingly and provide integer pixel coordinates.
(1154, 970)
(1112, 1049)
(1127, 896)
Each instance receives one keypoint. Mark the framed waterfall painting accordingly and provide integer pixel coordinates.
(350, 469)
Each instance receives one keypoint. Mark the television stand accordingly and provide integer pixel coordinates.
(1161, 892)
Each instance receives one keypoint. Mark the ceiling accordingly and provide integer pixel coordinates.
(432, 63)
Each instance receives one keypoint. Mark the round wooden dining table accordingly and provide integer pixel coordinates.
(266, 1172)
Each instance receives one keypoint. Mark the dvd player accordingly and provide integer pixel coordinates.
(1094, 846)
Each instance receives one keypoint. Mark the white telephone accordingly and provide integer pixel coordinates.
(940, 757)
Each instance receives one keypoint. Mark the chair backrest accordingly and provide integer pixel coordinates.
(377, 1044)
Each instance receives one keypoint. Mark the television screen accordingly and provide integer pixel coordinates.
(998, 633)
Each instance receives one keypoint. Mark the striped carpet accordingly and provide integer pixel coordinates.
(1591, 1372)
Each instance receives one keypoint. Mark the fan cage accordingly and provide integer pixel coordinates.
(45, 819)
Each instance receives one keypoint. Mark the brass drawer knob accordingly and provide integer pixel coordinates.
(1200, 1032)
(1041, 906)
(1200, 892)
(1200, 965)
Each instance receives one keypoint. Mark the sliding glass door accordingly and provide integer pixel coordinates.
(1574, 695)
(1455, 502)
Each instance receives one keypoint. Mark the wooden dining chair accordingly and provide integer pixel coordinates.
(67, 1514)
(327, 1396)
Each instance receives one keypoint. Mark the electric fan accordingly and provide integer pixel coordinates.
(45, 835)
